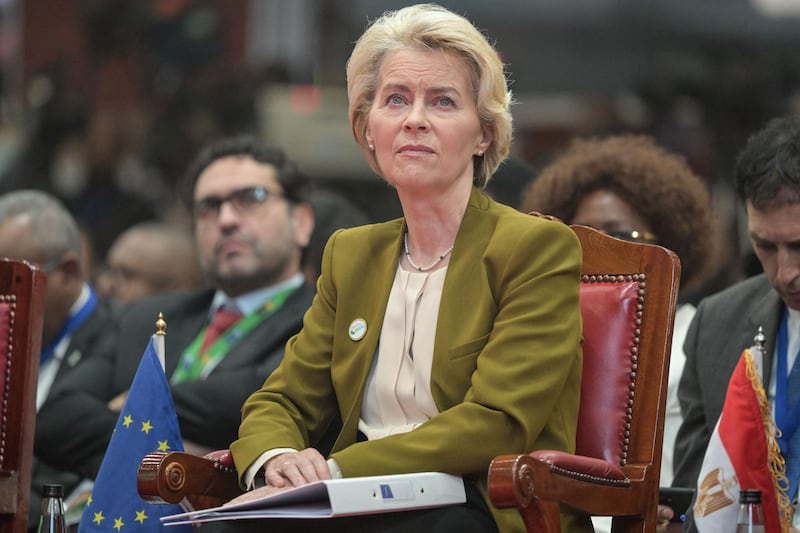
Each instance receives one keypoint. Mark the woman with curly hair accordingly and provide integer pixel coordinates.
(624, 184)
(630, 188)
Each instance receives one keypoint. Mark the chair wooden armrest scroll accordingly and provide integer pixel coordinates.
(22, 289)
(190, 480)
(629, 294)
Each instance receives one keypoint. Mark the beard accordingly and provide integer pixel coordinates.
(236, 279)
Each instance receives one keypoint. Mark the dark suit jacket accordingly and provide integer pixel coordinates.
(78, 425)
(725, 324)
(91, 339)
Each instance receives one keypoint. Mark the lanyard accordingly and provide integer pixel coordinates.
(786, 416)
(195, 365)
(71, 325)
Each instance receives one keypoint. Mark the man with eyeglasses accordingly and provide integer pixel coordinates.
(767, 179)
(252, 223)
(37, 227)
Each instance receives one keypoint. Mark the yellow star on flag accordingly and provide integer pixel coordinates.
(118, 523)
(89, 501)
(98, 517)
(163, 446)
(141, 517)
(127, 421)
(147, 426)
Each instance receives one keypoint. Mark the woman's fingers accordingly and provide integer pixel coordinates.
(296, 468)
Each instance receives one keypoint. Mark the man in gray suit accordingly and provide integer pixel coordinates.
(38, 228)
(767, 179)
(252, 223)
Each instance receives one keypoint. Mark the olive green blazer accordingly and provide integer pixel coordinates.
(507, 359)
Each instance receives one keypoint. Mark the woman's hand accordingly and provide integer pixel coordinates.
(254, 494)
(294, 469)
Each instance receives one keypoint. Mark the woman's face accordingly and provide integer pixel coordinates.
(423, 124)
(604, 210)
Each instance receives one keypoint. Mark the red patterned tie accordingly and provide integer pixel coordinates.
(222, 320)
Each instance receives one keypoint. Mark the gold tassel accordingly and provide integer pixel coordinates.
(775, 461)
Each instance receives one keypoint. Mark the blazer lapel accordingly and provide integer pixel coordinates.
(463, 287)
(369, 305)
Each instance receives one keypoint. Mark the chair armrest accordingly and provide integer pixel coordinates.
(536, 483)
(581, 467)
(224, 457)
(179, 477)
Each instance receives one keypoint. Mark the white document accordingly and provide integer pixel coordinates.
(341, 497)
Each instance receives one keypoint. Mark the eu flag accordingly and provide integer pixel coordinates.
(147, 423)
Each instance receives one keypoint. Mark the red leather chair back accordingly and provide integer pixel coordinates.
(21, 311)
(6, 321)
(610, 310)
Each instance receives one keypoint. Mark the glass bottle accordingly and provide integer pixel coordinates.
(751, 516)
(52, 519)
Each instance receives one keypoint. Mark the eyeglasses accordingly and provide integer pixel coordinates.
(124, 274)
(242, 200)
(52, 264)
(634, 236)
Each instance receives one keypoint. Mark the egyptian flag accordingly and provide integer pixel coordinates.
(743, 453)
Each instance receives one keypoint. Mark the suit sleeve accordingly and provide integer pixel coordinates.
(74, 425)
(693, 434)
(209, 410)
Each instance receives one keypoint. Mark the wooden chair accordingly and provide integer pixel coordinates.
(22, 289)
(629, 295)
(628, 299)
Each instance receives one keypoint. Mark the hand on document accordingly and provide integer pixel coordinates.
(255, 494)
(293, 469)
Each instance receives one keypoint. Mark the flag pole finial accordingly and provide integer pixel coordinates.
(161, 325)
(760, 337)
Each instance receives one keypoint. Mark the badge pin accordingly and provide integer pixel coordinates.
(358, 328)
(74, 358)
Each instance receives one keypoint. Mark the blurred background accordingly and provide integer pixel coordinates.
(104, 102)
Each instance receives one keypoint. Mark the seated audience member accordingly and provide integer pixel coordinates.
(423, 326)
(147, 259)
(767, 180)
(631, 188)
(252, 221)
(36, 227)
(332, 211)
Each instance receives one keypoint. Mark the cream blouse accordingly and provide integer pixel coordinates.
(398, 391)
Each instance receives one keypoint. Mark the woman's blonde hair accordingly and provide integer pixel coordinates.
(432, 27)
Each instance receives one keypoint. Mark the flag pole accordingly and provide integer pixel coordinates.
(161, 332)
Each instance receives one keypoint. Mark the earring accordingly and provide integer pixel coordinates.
(371, 147)
(480, 153)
